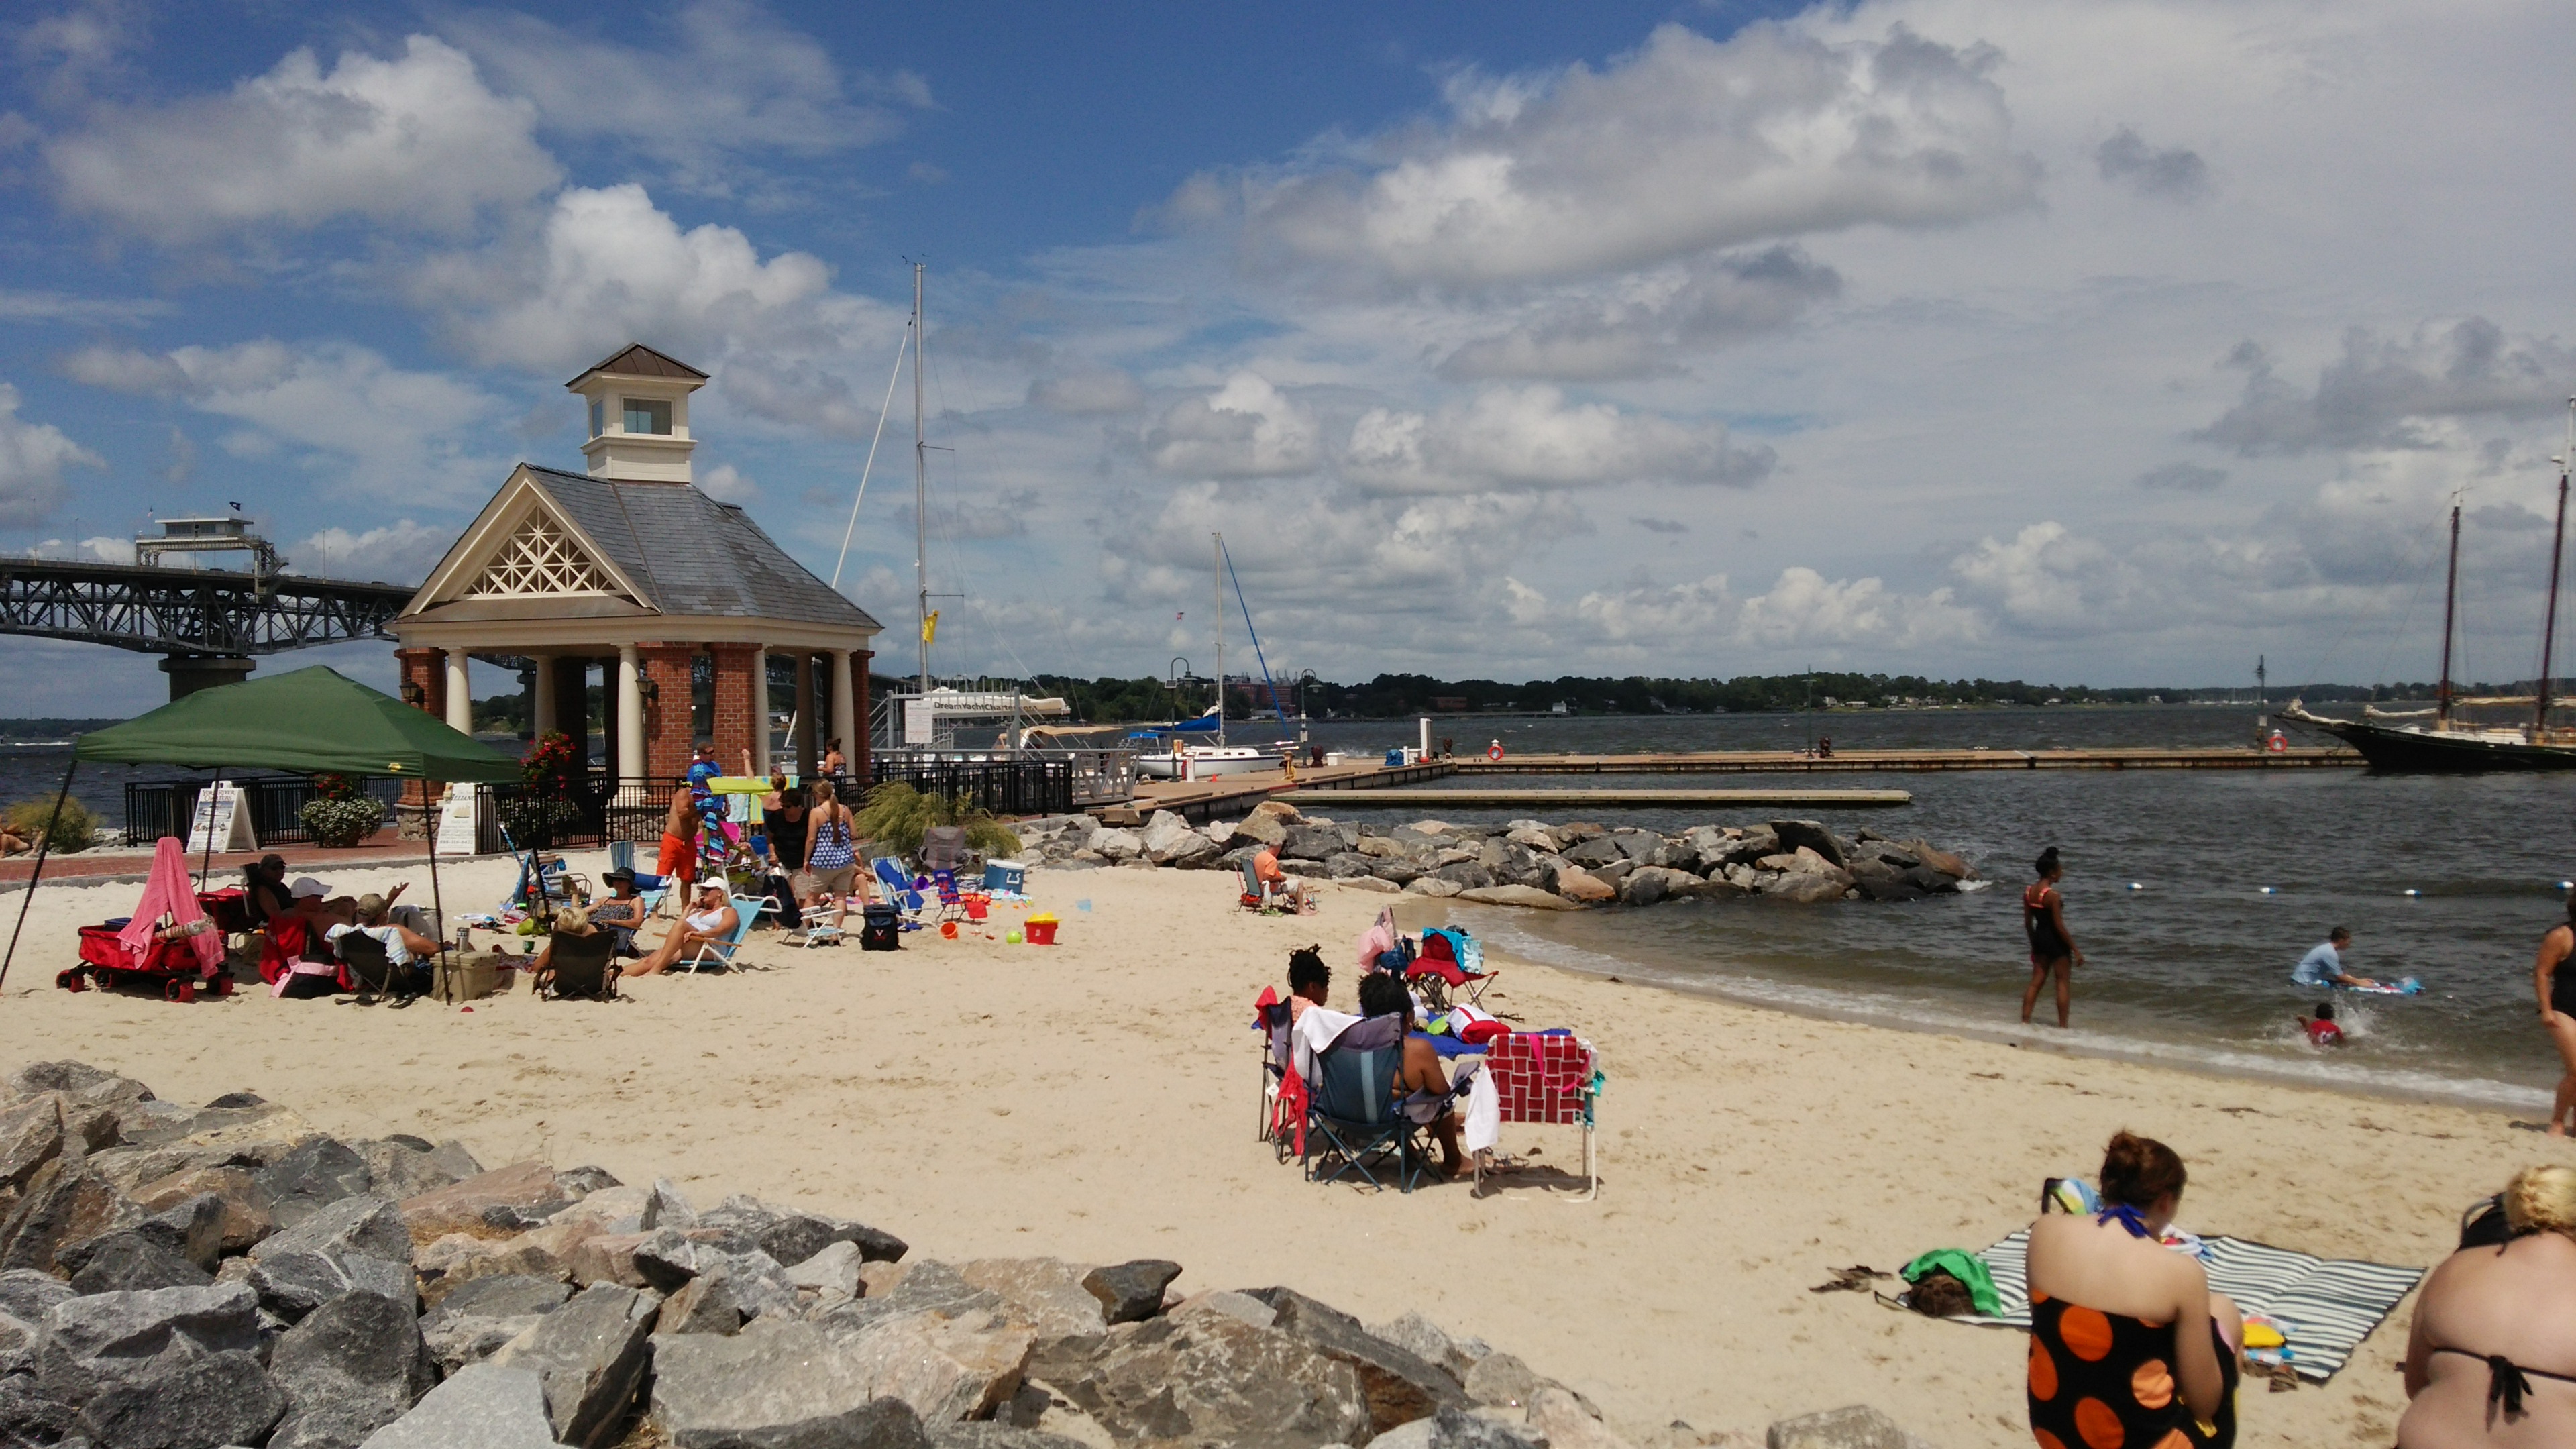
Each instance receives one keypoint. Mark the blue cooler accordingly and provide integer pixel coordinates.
(1395, 756)
(1006, 875)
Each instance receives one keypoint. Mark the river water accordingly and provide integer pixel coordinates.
(2188, 957)
(2191, 967)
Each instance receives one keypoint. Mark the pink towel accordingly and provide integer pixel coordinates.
(1380, 936)
(169, 892)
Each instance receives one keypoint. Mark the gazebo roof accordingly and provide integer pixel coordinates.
(639, 360)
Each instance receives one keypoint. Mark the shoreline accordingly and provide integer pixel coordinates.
(2217, 1064)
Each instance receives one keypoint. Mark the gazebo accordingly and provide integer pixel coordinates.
(631, 567)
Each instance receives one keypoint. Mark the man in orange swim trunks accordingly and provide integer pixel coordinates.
(679, 860)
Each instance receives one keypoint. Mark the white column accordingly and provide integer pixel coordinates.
(630, 715)
(844, 704)
(760, 710)
(542, 716)
(460, 694)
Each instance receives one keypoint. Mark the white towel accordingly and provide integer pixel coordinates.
(1484, 1113)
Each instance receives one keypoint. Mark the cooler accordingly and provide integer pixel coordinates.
(1006, 875)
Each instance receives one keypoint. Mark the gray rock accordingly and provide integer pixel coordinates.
(483, 1407)
(1467, 875)
(1432, 885)
(796, 1236)
(887, 1423)
(366, 1225)
(1237, 1305)
(475, 1320)
(775, 1384)
(28, 1418)
(1642, 887)
(351, 1367)
(1932, 880)
(592, 1355)
(1305, 840)
(31, 1134)
(1115, 845)
(127, 1262)
(1854, 1426)
(319, 1172)
(1614, 873)
(402, 1167)
(702, 1305)
(666, 1208)
(1808, 887)
(198, 1403)
(1349, 865)
(998, 1436)
(1397, 870)
(66, 1203)
(79, 1081)
(1752, 845)
(292, 1283)
(1459, 1429)
(1814, 836)
(832, 1275)
(469, 1339)
(29, 1295)
(1428, 1342)
(109, 1338)
(1888, 886)
(502, 1294)
(1644, 847)
(192, 1227)
(1131, 1292)
(1501, 1380)
(1397, 1386)
(1595, 853)
(1208, 1378)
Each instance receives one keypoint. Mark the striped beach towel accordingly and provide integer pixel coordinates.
(2325, 1307)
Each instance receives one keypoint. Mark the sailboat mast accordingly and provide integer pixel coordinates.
(2557, 548)
(2450, 610)
(1216, 600)
(920, 492)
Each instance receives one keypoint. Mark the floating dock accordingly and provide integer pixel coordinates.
(1863, 762)
(1486, 797)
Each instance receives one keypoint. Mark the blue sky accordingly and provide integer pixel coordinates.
(2114, 342)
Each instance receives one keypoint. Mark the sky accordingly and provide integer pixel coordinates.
(2121, 342)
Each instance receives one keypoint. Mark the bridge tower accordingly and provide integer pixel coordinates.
(194, 538)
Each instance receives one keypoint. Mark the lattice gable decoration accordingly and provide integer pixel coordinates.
(540, 557)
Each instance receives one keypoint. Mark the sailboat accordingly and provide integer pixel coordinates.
(1184, 760)
(2447, 744)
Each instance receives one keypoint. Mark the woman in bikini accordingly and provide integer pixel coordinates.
(2491, 1360)
(2052, 948)
(2556, 982)
(2127, 1344)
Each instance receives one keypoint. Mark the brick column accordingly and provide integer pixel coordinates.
(666, 720)
(734, 702)
(863, 738)
(426, 668)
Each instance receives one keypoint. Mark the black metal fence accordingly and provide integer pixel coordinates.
(155, 808)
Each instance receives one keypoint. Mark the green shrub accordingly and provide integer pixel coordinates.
(74, 829)
(895, 815)
(343, 822)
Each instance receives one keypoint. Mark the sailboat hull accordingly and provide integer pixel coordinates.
(2420, 751)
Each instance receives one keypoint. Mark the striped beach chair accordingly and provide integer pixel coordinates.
(1551, 1079)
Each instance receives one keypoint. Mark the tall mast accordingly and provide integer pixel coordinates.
(1216, 598)
(2557, 546)
(2450, 608)
(920, 492)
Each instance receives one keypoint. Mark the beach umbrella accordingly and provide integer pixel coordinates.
(311, 721)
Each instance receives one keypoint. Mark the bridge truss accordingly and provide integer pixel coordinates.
(177, 611)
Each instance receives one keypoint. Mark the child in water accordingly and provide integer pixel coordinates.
(2322, 1031)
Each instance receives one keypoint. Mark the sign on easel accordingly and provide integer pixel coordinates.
(221, 821)
(919, 726)
(455, 833)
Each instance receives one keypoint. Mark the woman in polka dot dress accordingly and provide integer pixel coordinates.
(2128, 1347)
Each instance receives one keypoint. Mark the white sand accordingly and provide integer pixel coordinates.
(1097, 1101)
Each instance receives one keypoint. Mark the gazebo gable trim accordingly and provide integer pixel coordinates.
(496, 531)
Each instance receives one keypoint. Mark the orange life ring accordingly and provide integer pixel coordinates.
(1494, 751)
(2276, 744)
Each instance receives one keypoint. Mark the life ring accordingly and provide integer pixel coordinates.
(1494, 751)
(2276, 744)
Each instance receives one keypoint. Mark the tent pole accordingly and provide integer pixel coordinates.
(43, 848)
(437, 902)
(206, 862)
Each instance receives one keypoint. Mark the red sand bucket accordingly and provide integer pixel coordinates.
(976, 906)
(948, 930)
(1041, 933)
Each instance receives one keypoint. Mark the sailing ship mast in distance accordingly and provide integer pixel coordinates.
(2448, 744)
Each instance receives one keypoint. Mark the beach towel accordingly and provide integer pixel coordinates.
(1377, 939)
(169, 893)
(2324, 1307)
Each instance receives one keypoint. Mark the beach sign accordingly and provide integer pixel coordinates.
(455, 833)
(919, 727)
(221, 821)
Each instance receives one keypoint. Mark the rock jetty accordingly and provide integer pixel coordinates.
(176, 1277)
(1526, 862)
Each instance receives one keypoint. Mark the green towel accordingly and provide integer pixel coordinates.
(1968, 1268)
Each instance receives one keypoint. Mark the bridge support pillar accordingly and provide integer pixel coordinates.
(192, 672)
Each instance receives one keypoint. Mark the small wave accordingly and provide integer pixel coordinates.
(2291, 1063)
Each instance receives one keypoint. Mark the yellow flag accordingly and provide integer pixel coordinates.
(930, 628)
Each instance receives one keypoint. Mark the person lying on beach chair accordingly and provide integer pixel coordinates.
(713, 919)
(13, 841)
(1422, 1086)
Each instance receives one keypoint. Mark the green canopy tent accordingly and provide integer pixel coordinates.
(311, 721)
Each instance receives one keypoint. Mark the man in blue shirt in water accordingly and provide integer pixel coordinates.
(2323, 966)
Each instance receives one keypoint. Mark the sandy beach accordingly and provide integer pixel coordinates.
(1096, 1100)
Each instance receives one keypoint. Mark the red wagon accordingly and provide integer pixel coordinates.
(169, 969)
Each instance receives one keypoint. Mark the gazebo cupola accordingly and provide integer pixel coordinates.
(639, 416)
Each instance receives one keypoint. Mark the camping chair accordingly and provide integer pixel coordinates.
(581, 966)
(374, 974)
(1257, 897)
(1271, 1017)
(1353, 1116)
(1441, 968)
(943, 848)
(559, 884)
(1546, 1077)
(952, 904)
(898, 886)
(746, 910)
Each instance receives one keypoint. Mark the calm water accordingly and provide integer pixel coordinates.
(2193, 967)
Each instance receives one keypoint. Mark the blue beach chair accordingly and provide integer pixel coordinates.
(898, 888)
(746, 910)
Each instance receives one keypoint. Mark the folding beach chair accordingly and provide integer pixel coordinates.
(896, 884)
(746, 909)
(581, 966)
(372, 972)
(1546, 1077)
(943, 848)
(1255, 896)
(1442, 968)
(1352, 1121)
(1271, 1017)
(952, 903)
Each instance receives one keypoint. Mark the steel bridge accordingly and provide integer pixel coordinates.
(208, 623)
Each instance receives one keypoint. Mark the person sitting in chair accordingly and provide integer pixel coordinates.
(1274, 882)
(14, 841)
(403, 946)
(622, 914)
(712, 918)
(1382, 994)
(1310, 981)
(572, 924)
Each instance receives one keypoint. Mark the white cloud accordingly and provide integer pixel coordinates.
(2383, 391)
(101, 549)
(65, 307)
(1532, 438)
(729, 79)
(2175, 173)
(1803, 607)
(401, 552)
(1686, 144)
(1245, 429)
(373, 428)
(727, 484)
(32, 459)
(1650, 318)
(2049, 580)
(1091, 391)
(414, 142)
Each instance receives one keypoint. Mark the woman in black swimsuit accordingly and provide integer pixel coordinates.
(2491, 1360)
(2052, 947)
(2557, 988)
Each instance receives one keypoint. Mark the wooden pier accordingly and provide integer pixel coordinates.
(1486, 797)
(1865, 762)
